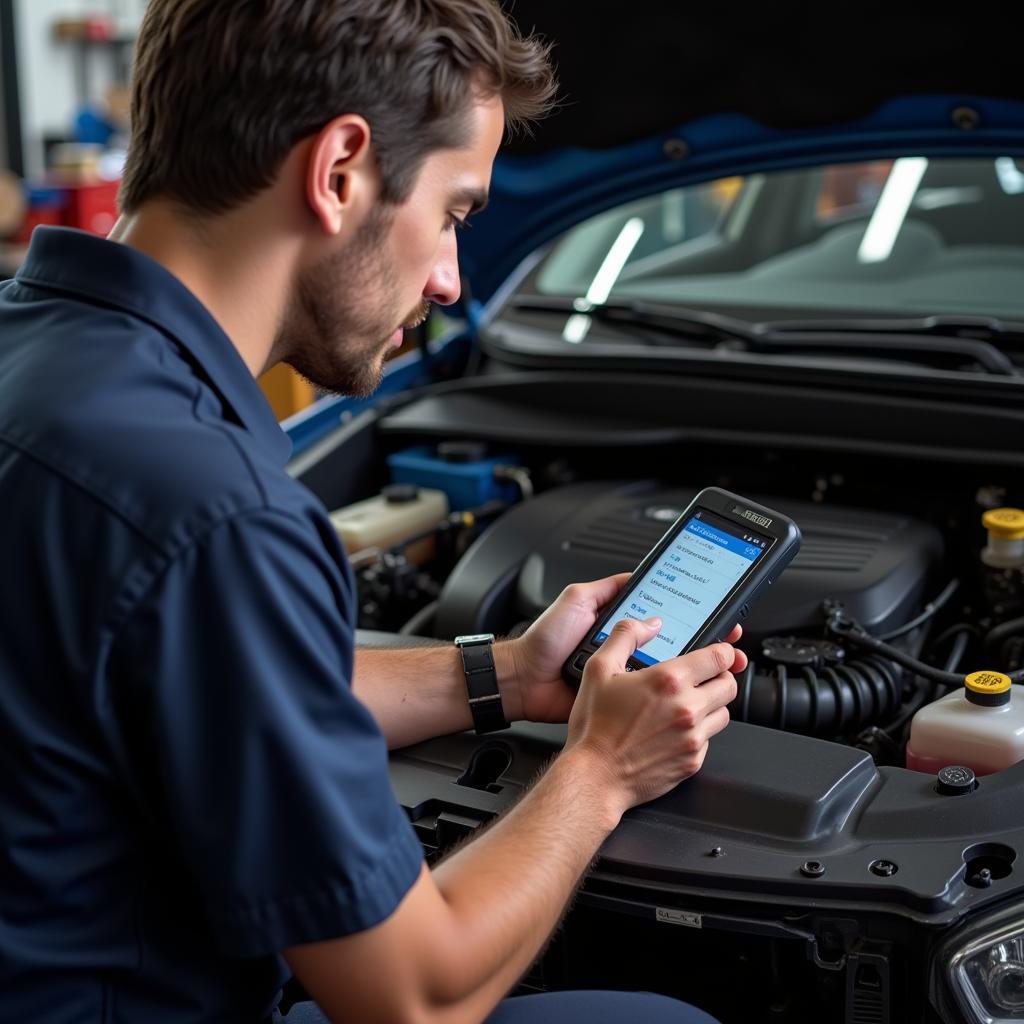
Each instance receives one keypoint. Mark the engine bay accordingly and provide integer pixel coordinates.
(511, 533)
(804, 870)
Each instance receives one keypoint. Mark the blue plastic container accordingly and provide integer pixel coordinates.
(467, 484)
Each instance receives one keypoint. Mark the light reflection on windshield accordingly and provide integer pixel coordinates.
(910, 237)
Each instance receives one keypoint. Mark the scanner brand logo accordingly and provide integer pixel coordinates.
(753, 516)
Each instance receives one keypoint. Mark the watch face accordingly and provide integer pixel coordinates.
(475, 638)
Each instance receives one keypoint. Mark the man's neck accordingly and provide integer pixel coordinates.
(234, 264)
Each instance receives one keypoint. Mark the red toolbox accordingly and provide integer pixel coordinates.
(92, 207)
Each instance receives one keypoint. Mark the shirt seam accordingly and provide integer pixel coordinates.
(95, 298)
(129, 309)
(66, 474)
(90, 298)
(116, 626)
(95, 495)
(172, 556)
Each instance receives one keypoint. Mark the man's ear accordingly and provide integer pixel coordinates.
(341, 176)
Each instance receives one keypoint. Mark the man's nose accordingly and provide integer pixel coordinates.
(444, 286)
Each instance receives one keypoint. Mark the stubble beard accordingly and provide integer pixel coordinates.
(340, 321)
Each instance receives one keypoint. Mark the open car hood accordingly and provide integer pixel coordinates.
(656, 94)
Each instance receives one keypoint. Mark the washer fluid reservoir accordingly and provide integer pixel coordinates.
(980, 727)
(400, 513)
(1005, 547)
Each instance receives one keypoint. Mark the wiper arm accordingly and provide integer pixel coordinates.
(988, 356)
(676, 321)
(958, 335)
(984, 328)
(928, 336)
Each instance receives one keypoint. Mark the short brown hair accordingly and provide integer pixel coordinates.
(224, 89)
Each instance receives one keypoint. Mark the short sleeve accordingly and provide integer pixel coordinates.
(231, 681)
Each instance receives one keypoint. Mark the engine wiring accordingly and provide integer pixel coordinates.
(927, 614)
(839, 624)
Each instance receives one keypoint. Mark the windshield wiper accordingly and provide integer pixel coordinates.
(963, 335)
(929, 336)
(675, 321)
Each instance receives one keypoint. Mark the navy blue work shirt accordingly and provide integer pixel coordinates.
(188, 785)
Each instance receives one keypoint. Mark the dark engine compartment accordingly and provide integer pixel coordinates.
(804, 874)
(877, 567)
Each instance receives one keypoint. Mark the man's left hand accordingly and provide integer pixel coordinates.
(540, 692)
(536, 691)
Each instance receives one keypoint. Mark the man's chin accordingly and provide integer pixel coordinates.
(345, 383)
(367, 382)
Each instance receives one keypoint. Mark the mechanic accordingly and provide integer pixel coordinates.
(194, 794)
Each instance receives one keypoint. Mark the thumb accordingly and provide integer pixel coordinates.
(624, 639)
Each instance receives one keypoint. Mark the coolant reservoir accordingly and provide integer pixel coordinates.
(1005, 547)
(399, 513)
(980, 727)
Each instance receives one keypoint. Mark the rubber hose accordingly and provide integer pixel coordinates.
(819, 702)
(998, 635)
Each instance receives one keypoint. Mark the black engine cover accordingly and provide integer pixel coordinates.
(879, 566)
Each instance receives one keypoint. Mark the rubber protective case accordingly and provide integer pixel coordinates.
(785, 537)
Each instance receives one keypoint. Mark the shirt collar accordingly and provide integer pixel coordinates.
(111, 274)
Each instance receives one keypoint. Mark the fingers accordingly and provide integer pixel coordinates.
(624, 639)
(715, 694)
(695, 748)
(716, 722)
(596, 595)
(741, 659)
(695, 740)
(706, 663)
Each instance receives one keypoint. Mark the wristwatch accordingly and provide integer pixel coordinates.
(482, 682)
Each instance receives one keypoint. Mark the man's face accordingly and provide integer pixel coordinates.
(348, 312)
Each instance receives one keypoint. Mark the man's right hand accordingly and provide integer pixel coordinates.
(648, 730)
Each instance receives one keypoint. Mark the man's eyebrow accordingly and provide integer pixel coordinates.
(474, 198)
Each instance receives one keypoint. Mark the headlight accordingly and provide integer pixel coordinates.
(983, 968)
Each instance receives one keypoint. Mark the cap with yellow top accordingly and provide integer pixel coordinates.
(1005, 548)
(988, 689)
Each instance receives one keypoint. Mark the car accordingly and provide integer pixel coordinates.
(740, 255)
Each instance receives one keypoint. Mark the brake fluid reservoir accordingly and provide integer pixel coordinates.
(1005, 547)
(399, 513)
(980, 727)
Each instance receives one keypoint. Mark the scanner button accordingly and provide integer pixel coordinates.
(744, 611)
(581, 660)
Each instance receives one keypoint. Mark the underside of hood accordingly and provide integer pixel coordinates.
(630, 71)
(656, 94)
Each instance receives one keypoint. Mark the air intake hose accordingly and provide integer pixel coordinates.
(806, 687)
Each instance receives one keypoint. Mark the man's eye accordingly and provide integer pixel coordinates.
(453, 223)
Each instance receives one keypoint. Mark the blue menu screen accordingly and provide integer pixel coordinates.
(687, 583)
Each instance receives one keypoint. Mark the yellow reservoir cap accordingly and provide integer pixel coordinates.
(1004, 523)
(988, 682)
(988, 689)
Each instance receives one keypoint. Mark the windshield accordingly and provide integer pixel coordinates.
(912, 236)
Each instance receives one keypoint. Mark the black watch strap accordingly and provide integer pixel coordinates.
(482, 682)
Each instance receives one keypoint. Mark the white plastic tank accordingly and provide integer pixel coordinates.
(399, 513)
(980, 727)
(1005, 544)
